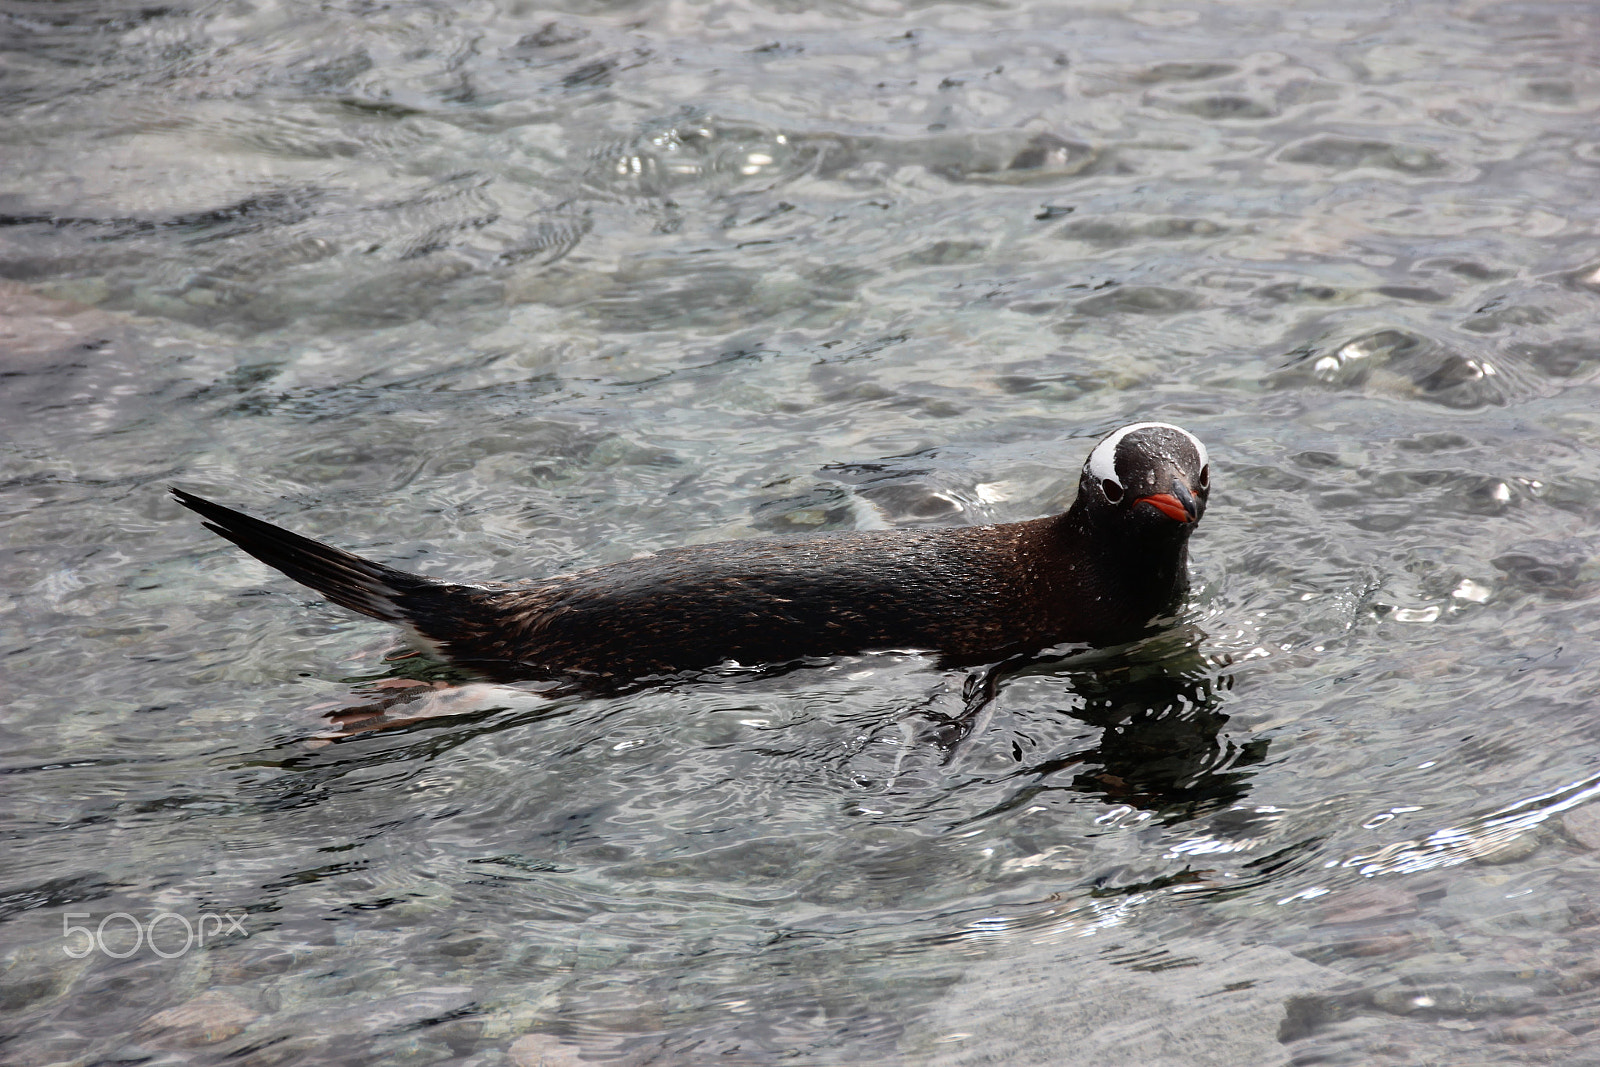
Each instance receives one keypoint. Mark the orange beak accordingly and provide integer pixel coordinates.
(1168, 505)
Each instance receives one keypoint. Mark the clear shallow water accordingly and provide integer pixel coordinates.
(497, 292)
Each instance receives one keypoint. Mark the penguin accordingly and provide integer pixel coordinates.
(1098, 574)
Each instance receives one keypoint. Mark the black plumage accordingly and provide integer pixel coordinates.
(1098, 573)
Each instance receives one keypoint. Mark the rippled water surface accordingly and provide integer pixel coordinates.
(497, 290)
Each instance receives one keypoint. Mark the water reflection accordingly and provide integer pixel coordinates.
(1160, 748)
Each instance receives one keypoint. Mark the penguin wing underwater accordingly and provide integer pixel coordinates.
(1097, 573)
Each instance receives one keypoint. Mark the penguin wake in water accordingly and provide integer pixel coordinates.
(1099, 573)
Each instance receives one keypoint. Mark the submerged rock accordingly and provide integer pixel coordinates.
(1203, 1004)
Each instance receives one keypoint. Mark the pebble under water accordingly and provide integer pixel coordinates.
(494, 291)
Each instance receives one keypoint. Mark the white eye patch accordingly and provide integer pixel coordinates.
(1103, 460)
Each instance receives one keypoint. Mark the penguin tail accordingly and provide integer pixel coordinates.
(342, 577)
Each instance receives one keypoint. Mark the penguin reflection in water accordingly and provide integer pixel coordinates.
(1099, 574)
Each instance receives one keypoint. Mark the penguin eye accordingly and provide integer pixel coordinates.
(1205, 476)
(1112, 490)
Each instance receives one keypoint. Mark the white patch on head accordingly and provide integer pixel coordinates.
(1103, 460)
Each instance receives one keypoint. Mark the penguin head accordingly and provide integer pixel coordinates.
(1148, 479)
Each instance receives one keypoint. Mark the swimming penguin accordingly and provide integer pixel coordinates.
(1099, 573)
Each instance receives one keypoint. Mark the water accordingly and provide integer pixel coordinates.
(498, 291)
